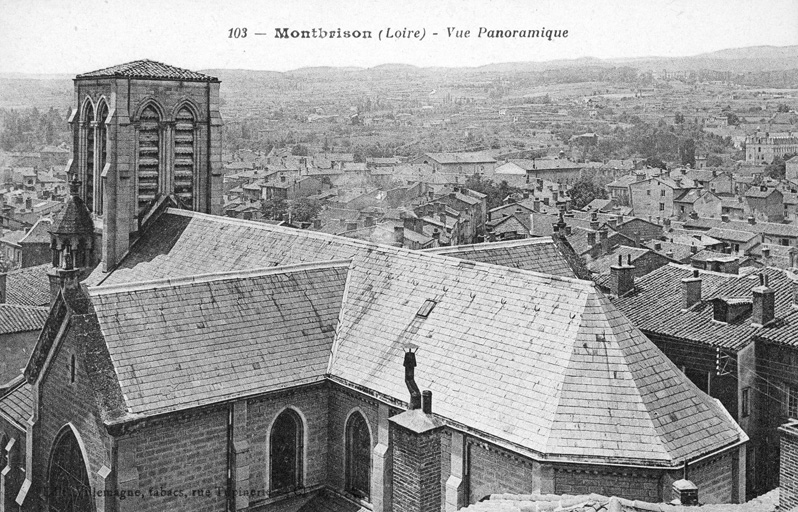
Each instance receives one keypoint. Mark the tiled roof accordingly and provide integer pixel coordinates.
(461, 158)
(655, 306)
(184, 343)
(13, 237)
(17, 404)
(149, 69)
(602, 264)
(29, 286)
(39, 233)
(16, 318)
(537, 254)
(543, 363)
(757, 192)
(769, 228)
(734, 235)
(597, 503)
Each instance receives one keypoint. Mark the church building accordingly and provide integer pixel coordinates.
(194, 362)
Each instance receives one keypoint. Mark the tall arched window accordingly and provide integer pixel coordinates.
(149, 157)
(102, 114)
(358, 456)
(184, 157)
(68, 483)
(89, 170)
(285, 452)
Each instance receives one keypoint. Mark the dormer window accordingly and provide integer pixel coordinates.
(426, 308)
(728, 310)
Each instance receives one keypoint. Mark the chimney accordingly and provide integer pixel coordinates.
(426, 401)
(622, 278)
(594, 222)
(28, 203)
(415, 436)
(613, 222)
(604, 241)
(410, 380)
(765, 252)
(526, 194)
(764, 310)
(691, 291)
(568, 230)
(399, 235)
(3, 293)
(436, 235)
(686, 492)
(316, 223)
(751, 220)
(657, 246)
(369, 221)
(591, 238)
(536, 204)
(724, 217)
(693, 249)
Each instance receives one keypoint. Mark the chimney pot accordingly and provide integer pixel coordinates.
(426, 401)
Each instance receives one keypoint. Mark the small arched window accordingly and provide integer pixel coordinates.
(285, 452)
(358, 456)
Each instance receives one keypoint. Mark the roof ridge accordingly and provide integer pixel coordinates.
(488, 245)
(354, 242)
(95, 291)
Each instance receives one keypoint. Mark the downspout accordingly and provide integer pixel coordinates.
(209, 184)
(231, 499)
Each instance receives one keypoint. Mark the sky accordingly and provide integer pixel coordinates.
(76, 36)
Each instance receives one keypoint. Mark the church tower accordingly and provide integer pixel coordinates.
(145, 135)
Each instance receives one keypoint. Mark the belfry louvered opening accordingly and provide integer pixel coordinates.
(184, 158)
(148, 157)
(88, 178)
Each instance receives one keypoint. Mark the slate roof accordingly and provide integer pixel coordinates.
(148, 69)
(16, 318)
(17, 404)
(537, 254)
(597, 503)
(73, 218)
(655, 306)
(184, 343)
(29, 286)
(541, 363)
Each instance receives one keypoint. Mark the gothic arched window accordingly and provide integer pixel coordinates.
(88, 171)
(148, 157)
(358, 456)
(184, 157)
(68, 484)
(285, 452)
(102, 114)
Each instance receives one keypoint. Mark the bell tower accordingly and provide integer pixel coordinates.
(145, 135)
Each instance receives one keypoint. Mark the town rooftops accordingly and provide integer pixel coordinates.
(461, 158)
(656, 305)
(732, 235)
(148, 69)
(507, 352)
(768, 228)
(39, 233)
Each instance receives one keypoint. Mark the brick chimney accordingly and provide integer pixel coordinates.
(399, 235)
(691, 291)
(591, 238)
(622, 277)
(416, 439)
(604, 241)
(764, 310)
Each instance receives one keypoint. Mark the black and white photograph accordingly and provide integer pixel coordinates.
(383, 256)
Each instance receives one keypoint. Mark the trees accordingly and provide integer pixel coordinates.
(274, 208)
(304, 209)
(584, 190)
(778, 168)
(714, 161)
(496, 194)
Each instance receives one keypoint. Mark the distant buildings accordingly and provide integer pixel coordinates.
(762, 148)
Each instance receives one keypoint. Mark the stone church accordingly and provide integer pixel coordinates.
(197, 362)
